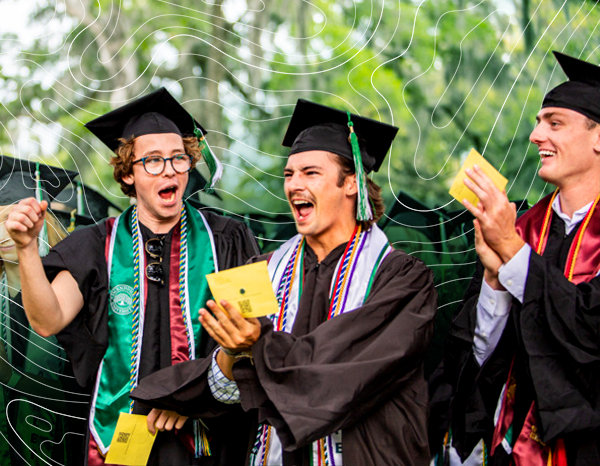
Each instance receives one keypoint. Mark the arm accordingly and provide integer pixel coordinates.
(49, 307)
(493, 304)
(568, 309)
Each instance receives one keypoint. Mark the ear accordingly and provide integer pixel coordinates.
(596, 145)
(350, 186)
(128, 179)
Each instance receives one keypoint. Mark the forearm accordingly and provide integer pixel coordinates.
(40, 302)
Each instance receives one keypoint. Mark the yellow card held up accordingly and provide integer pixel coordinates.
(131, 442)
(459, 191)
(247, 287)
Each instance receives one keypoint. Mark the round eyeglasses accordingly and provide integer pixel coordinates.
(155, 164)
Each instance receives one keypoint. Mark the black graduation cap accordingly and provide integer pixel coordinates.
(318, 127)
(94, 205)
(582, 92)
(70, 220)
(157, 112)
(18, 180)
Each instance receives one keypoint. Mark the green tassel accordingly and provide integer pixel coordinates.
(43, 247)
(363, 206)
(214, 165)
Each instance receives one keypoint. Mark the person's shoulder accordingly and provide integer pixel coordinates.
(85, 234)
(399, 261)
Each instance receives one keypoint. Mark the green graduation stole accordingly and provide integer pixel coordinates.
(118, 372)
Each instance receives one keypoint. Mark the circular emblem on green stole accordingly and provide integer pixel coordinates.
(121, 298)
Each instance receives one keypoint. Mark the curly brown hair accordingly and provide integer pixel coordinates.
(375, 199)
(122, 162)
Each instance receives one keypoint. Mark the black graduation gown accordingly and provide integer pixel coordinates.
(361, 372)
(85, 339)
(555, 339)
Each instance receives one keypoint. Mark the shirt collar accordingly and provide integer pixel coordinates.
(571, 222)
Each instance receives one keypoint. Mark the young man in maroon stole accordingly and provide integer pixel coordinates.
(123, 296)
(523, 357)
(336, 375)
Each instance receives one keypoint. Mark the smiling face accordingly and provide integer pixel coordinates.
(323, 211)
(159, 197)
(568, 146)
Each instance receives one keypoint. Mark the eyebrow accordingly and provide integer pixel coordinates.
(158, 152)
(547, 116)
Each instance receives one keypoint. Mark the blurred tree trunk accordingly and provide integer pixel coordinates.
(212, 112)
(527, 25)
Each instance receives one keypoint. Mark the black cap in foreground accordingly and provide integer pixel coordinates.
(582, 92)
(318, 127)
(18, 180)
(154, 113)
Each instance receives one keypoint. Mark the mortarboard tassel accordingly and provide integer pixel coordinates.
(214, 165)
(363, 206)
(80, 210)
(43, 248)
(72, 221)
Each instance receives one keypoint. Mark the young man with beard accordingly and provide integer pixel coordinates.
(523, 359)
(336, 376)
(123, 296)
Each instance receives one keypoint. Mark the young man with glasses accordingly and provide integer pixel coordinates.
(123, 296)
(336, 376)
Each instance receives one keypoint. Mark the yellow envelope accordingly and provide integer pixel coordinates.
(247, 287)
(459, 191)
(131, 442)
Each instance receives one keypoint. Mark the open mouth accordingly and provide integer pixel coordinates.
(168, 194)
(303, 208)
(547, 153)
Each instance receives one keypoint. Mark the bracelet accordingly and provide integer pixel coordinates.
(236, 354)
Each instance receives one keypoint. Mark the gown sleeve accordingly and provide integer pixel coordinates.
(559, 324)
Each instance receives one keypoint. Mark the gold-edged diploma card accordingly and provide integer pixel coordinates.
(460, 192)
(131, 442)
(247, 287)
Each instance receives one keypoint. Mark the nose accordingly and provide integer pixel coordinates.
(537, 136)
(169, 170)
(292, 182)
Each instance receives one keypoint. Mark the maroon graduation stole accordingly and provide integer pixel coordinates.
(583, 263)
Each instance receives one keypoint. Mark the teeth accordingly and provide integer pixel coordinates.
(547, 153)
(172, 196)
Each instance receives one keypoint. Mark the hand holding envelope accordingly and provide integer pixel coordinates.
(461, 192)
(243, 293)
(248, 287)
(481, 189)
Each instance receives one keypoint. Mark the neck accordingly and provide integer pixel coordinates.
(155, 224)
(12, 277)
(573, 198)
(322, 245)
